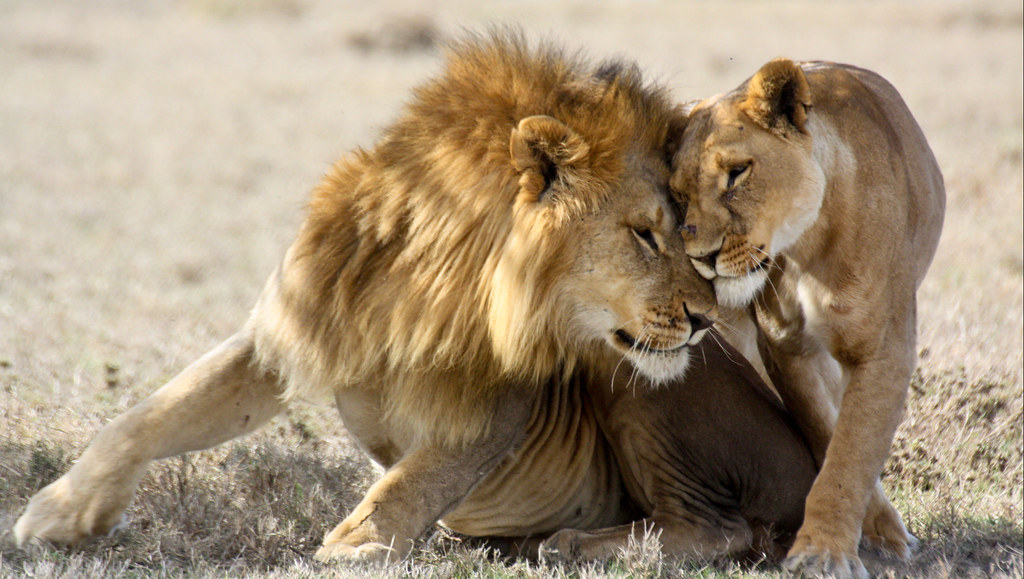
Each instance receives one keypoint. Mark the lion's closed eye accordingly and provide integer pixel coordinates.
(646, 238)
(735, 173)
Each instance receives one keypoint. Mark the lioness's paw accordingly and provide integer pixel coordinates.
(815, 562)
(890, 545)
(365, 553)
(884, 531)
(53, 516)
(563, 546)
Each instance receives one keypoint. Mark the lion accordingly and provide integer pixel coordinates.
(470, 291)
(812, 199)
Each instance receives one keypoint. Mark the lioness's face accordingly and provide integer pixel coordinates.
(746, 194)
(630, 284)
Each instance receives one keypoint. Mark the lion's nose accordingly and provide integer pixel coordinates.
(698, 322)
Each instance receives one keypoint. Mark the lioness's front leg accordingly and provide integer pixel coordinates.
(838, 501)
(428, 481)
(850, 430)
(217, 398)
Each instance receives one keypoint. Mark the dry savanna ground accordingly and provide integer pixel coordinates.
(154, 160)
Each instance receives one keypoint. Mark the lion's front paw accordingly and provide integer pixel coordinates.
(366, 553)
(357, 539)
(809, 560)
(563, 546)
(56, 515)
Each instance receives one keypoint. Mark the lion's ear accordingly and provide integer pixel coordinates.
(676, 127)
(778, 97)
(541, 148)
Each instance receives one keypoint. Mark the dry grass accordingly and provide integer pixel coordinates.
(153, 163)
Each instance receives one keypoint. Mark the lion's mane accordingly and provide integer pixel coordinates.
(405, 271)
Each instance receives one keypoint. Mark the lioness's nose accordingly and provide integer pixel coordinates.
(709, 259)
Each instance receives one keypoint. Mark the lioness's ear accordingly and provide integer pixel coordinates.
(778, 96)
(541, 147)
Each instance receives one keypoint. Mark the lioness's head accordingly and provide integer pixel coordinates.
(746, 180)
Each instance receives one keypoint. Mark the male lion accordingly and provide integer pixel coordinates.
(467, 290)
(810, 192)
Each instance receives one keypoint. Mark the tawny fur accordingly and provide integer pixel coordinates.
(811, 193)
(453, 288)
(397, 268)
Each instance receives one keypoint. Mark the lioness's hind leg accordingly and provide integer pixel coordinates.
(220, 396)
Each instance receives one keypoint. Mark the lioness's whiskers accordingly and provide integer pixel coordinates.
(768, 278)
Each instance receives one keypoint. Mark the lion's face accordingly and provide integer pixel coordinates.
(749, 190)
(615, 271)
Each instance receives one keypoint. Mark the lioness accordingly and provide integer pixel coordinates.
(467, 290)
(810, 192)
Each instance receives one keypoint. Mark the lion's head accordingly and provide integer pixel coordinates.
(747, 180)
(512, 224)
(599, 254)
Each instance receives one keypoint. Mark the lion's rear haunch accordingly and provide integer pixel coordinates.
(433, 255)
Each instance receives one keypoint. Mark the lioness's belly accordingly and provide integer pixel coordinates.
(563, 476)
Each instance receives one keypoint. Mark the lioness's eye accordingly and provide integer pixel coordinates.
(645, 237)
(735, 173)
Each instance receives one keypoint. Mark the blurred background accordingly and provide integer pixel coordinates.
(155, 158)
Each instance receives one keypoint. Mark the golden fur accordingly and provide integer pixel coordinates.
(440, 254)
(453, 288)
(811, 193)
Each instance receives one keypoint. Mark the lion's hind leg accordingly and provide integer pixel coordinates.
(220, 396)
(677, 536)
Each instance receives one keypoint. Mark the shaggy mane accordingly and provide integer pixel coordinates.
(390, 281)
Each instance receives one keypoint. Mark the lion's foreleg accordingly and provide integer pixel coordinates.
(425, 484)
(217, 398)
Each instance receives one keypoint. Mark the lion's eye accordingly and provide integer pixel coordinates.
(735, 173)
(646, 237)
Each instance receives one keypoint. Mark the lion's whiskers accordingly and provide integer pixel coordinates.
(624, 356)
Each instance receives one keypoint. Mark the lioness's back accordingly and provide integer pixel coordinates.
(868, 107)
